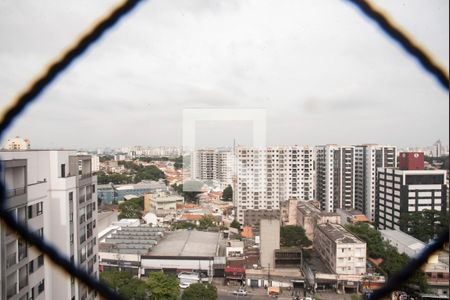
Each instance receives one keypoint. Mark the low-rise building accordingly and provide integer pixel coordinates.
(289, 211)
(340, 250)
(436, 269)
(270, 241)
(162, 204)
(309, 216)
(252, 217)
(352, 216)
(234, 248)
(186, 250)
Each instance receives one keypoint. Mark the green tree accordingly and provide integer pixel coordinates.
(149, 173)
(106, 157)
(292, 235)
(201, 291)
(375, 245)
(235, 224)
(125, 284)
(424, 225)
(191, 189)
(162, 286)
(392, 260)
(206, 222)
(103, 178)
(183, 225)
(131, 209)
(227, 194)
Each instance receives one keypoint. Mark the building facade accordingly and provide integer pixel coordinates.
(17, 143)
(58, 201)
(270, 241)
(266, 177)
(213, 164)
(340, 250)
(401, 192)
(335, 177)
(368, 158)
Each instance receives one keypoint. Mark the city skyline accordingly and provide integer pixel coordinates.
(308, 67)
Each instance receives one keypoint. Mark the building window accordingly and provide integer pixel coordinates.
(40, 261)
(40, 207)
(41, 286)
(30, 211)
(31, 267)
(70, 196)
(93, 188)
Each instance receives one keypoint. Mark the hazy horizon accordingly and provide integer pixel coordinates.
(322, 71)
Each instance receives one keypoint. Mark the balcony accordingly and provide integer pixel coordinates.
(16, 192)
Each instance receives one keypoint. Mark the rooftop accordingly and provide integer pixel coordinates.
(187, 243)
(403, 238)
(338, 234)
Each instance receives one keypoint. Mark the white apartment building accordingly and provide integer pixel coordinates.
(54, 193)
(213, 164)
(368, 158)
(335, 177)
(265, 177)
(17, 143)
(341, 250)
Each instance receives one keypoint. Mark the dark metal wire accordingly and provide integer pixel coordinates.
(56, 68)
(54, 254)
(26, 98)
(407, 43)
(414, 264)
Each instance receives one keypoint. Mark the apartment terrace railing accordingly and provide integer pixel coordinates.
(16, 192)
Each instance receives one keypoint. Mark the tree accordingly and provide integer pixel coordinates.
(206, 222)
(191, 189)
(149, 173)
(292, 235)
(392, 260)
(200, 291)
(131, 209)
(375, 245)
(424, 225)
(227, 194)
(162, 286)
(103, 178)
(125, 284)
(235, 224)
(183, 225)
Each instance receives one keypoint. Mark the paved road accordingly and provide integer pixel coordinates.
(258, 295)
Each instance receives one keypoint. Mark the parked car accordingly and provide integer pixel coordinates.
(240, 292)
(184, 285)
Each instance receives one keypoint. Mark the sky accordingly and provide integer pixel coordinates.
(320, 69)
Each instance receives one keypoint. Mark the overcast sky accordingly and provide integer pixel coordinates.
(324, 73)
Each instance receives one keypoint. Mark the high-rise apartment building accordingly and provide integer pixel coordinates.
(335, 177)
(213, 164)
(368, 158)
(265, 177)
(54, 194)
(402, 191)
(17, 143)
